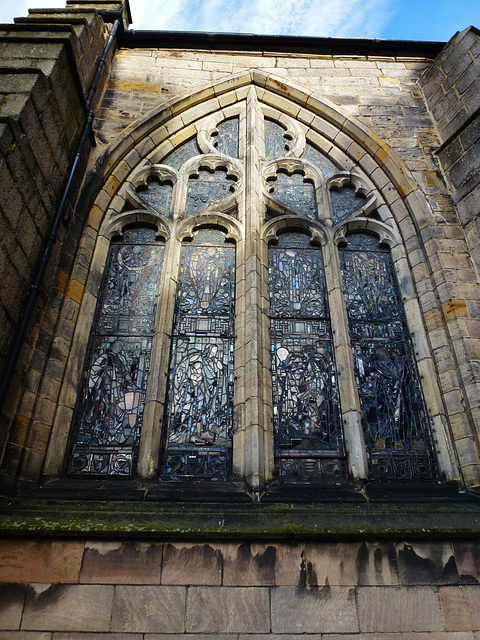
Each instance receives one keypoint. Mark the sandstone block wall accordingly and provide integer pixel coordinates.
(150, 590)
(452, 90)
(47, 62)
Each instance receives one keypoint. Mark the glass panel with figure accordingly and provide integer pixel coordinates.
(308, 439)
(200, 398)
(109, 417)
(393, 409)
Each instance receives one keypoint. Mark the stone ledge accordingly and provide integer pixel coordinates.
(421, 518)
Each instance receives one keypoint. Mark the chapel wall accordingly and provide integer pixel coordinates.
(47, 61)
(239, 590)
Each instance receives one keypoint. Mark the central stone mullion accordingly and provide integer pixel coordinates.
(253, 443)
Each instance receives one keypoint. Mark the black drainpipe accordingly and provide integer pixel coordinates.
(52, 235)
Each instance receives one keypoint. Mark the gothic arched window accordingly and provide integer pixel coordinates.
(272, 345)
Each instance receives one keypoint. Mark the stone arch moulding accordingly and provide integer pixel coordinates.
(333, 131)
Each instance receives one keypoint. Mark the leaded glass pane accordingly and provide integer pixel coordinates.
(308, 441)
(157, 195)
(182, 153)
(320, 160)
(298, 289)
(109, 418)
(393, 411)
(344, 202)
(276, 143)
(227, 137)
(208, 189)
(200, 406)
(295, 193)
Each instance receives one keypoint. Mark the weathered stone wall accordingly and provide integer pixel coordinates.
(71, 590)
(452, 91)
(46, 64)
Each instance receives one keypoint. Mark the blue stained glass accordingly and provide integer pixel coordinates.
(276, 141)
(208, 189)
(295, 193)
(109, 417)
(226, 139)
(319, 159)
(345, 202)
(158, 195)
(393, 410)
(308, 440)
(182, 153)
(200, 406)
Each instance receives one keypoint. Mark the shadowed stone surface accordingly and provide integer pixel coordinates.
(122, 562)
(149, 609)
(12, 597)
(261, 564)
(392, 609)
(192, 564)
(353, 564)
(68, 608)
(322, 610)
(228, 610)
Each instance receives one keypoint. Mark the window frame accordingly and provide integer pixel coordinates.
(255, 468)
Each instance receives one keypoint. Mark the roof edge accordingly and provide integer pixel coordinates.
(279, 44)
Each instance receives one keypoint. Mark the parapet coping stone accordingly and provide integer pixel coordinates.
(422, 512)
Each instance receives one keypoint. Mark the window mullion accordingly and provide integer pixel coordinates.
(347, 387)
(149, 452)
(254, 410)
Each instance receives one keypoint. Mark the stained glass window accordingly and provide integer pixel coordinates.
(308, 440)
(295, 193)
(109, 418)
(207, 189)
(200, 398)
(276, 140)
(182, 153)
(226, 138)
(320, 160)
(158, 195)
(393, 410)
(345, 202)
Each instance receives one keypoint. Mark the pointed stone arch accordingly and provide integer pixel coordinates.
(353, 147)
(338, 134)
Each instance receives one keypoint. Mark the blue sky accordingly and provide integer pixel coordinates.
(391, 19)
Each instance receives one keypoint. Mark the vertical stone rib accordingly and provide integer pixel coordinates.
(350, 403)
(251, 317)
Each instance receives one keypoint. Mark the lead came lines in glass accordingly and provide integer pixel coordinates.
(109, 420)
(200, 414)
(393, 412)
(306, 417)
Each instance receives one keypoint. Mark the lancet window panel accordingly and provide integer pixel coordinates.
(109, 416)
(393, 410)
(200, 398)
(227, 137)
(308, 439)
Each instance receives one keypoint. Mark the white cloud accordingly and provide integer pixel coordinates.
(326, 18)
